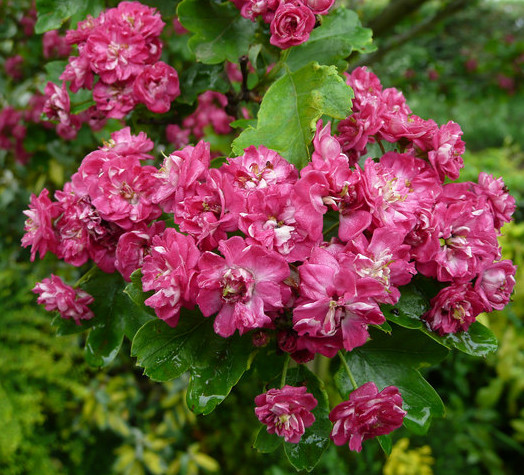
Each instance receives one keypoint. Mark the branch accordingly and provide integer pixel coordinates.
(426, 26)
(393, 14)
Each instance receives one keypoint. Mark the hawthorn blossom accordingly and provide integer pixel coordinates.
(123, 192)
(169, 269)
(334, 300)
(286, 411)
(133, 246)
(157, 86)
(39, 231)
(291, 25)
(70, 302)
(367, 414)
(241, 286)
(447, 150)
(123, 142)
(258, 168)
(500, 202)
(495, 284)
(454, 308)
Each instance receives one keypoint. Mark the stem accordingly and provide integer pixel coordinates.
(331, 228)
(85, 277)
(348, 371)
(284, 371)
(381, 146)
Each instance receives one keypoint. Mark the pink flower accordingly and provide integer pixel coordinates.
(58, 104)
(291, 25)
(123, 142)
(55, 45)
(464, 237)
(39, 231)
(286, 412)
(319, 7)
(180, 174)
(13, 67)
(258, 168)
(210, 111)
(123, 192)
(367, 414)
(447, 150)
(115, 99)
(78, 72)
(241, 286)
(157, 86)
(70, 303)
(454, 309)
(133, 246)
(501, 203)
(115, 52)
(269, 220)
(170, 270)
(177, 136)
(334, 300)
(495, 284)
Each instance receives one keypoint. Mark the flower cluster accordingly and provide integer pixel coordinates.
(109, 198)
(118, 59)
(366, 414)
(318, 286)
(210, 112)
(286, 411)
(69, 302)
(291, 21)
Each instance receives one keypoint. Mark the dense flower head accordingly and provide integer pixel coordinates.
(169, 269)
(495, 283)
(242, 286)
(118, 57)
(455, 308)
(39, 231)
(286, 411)
(157, 86)
(335, 301)
(291, 25)
(366, 414)
(70, 302)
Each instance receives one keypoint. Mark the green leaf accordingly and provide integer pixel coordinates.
(220, 33)
(386, 444)
(414, 302)
(115, 317)
(394, 360)
(199, 78)
(339, 35)
(307, 453)
(477, 341)
(134, 291)
(216, 364)
(53, 13)
(291, 108)
(81, 101)
(266, 442)
(54, 69)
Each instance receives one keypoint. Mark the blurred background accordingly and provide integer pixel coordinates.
(460, 60)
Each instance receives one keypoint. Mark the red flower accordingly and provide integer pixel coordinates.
(366, 414)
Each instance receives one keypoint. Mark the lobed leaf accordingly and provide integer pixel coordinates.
(306, 454)
(334, 40)
(216, 364)
(219, 32)
(290, 109)
(394, 360)
(414, 302)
